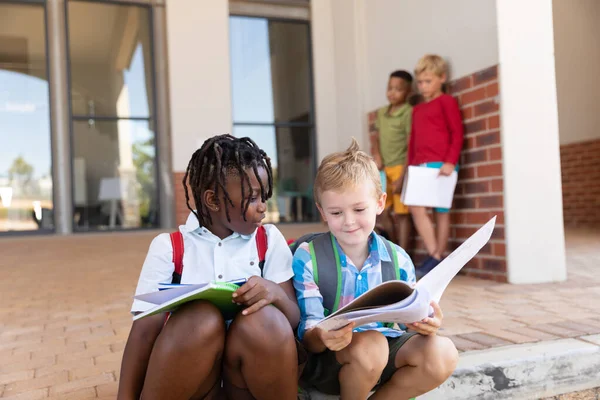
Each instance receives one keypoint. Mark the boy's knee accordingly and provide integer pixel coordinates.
(441, 358)
(368, 350)
(198, 322)
(265, 330)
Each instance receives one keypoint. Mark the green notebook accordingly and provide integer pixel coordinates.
(218, 293)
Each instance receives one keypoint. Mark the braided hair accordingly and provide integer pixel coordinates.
(210, 165)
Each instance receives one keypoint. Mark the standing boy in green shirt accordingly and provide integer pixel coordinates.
(389, 146)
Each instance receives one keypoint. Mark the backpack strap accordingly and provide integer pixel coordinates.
(177, 244)
(389, 269)
(323, 251)
(262, 244)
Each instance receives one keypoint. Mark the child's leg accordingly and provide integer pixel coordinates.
(424, 363)
(186, 359)
(424, 228)
(404, 225)
(362, 363)
(442, 222)
(260, 357)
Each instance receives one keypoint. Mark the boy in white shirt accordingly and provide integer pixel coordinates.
(255, 355)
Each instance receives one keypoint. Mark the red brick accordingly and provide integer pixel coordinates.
(461, 84)
(487, 139)
(499, 249)
(484, 171)
(484, 339)
(476, 156)
(466, 173)
(476, 126)
(497, 185)
(476, 187)
(490, 201)
(465, 203)
(495, 153)
(485, 75)
(478, 218)
(491, 90)
(498, 233)
(469, 143)
(467, 113)
(464, 344)
(464, 232)
(494, 265)
(472, 96)
(487, 107)
(494, 122)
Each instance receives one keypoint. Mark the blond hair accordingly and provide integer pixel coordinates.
(431, 63)
(345, 169)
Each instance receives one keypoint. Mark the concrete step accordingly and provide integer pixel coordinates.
(520, 372)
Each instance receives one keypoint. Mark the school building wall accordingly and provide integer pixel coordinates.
(576, 34)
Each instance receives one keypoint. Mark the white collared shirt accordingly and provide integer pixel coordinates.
(208, 258)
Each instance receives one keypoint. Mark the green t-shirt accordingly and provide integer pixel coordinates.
(394, 132)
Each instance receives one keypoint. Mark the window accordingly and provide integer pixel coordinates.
(25, 150)
(112, 106)
(273, 105)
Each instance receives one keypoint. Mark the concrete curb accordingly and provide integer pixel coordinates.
(520, 372)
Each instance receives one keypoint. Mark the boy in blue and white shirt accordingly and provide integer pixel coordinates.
(352, 361)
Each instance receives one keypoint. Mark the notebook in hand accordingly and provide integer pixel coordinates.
(399, 302)
(218, 293)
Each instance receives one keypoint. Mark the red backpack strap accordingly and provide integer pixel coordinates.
(261, 246)
(177, 243)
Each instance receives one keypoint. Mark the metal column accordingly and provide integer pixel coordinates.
(59, 117)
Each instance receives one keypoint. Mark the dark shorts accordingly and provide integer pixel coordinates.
(322, 370)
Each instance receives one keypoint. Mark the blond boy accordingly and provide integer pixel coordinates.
(353, 361)
(436, 140)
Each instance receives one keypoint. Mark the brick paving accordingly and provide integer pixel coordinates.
(64, 313)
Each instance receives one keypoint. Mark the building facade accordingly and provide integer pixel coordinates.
(102, 103)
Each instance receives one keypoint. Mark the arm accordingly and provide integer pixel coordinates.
(276, 287)
(374, 142)
(157, 268)
(310, 300)
(137, 352)
(287, 303)
(455, 126)
(400, 182)
(411, 141)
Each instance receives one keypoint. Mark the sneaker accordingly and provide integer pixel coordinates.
(428, 265)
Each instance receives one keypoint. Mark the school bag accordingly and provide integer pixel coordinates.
(178, 250)
(323, 251)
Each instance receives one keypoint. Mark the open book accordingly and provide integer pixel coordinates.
(399, 302)
(218, 293)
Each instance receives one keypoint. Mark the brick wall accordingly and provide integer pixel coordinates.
(479, 192)
(580, 166)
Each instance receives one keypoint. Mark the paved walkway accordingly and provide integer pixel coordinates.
(64, 313)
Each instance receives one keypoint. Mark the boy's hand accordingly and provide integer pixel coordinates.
(447, 169)
(429, 326)
(336, 340)
(257, 293)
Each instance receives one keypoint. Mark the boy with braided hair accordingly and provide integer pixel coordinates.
(255, 354)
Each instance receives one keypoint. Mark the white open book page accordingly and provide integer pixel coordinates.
(425, 187)
(397, 302)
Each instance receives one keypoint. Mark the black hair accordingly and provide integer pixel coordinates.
(210, 164)
(402, 74)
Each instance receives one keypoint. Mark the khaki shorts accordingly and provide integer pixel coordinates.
(392, 174)
(322, 370)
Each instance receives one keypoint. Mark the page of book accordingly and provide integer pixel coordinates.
(397, 302)
(425, 187)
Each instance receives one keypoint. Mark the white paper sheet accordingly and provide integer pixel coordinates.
(425, 187)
